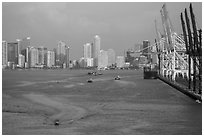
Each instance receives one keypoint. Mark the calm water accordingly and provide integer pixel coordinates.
(131, 105)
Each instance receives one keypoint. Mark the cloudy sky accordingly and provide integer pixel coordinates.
(120, 25)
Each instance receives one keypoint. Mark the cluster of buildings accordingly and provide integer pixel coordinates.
(20, 54)
(94, 56)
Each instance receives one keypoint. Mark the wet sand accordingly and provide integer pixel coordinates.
(33, 100)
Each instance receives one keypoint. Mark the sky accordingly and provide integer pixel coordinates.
(120, 25)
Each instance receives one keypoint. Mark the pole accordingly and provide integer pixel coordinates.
(187, 50)
(200, 61)
(190, 44)
(195, 46)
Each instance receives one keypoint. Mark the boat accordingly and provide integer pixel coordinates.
(117, 78)
(90, 80)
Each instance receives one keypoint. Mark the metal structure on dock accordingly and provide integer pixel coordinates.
(180, 55)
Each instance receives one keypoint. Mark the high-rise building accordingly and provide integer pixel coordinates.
(12, 49)
(92, 50)
(89, 62)
(62, 54)
(120, 61)
(21, 60)
(34, 57)
(67, 54)
(42, 52)
(88, 54)
(97, 47)
(23, 44)
(111, 57)
(55, 51)
(50, 58)
(4, 54)
(27, 56)
(103, 59)
(87, 50)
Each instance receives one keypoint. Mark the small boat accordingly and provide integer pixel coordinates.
(56, 122)
(90, 80)
(117, 78)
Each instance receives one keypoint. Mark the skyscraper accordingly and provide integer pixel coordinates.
(111, 57)
(21, 60)
(62, 54)
(103, 59)
(87, 50)
(34, 57)
(4, 54)
(67, 56)
(42, 51)
(50, 58)
(97, 47)
(12, 49)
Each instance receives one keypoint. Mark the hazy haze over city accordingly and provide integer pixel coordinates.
(120, 25)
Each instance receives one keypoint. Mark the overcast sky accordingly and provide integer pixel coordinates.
(120, 25)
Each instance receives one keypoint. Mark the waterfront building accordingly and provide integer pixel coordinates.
(111, 57)
(27, 57)
(103, 59)
(62, 54)
(87, 50)
(4, 54)
(97, 47)
(42, 52)
(34, 57)
(92, 50)
(21, 60)
(87, 55)
(89, 62)
(23, 45)
(55, 51)
(67, 58)
(50, 58)
(120, 61)
(12, 49)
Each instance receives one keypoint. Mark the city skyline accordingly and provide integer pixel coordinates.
(77, 23)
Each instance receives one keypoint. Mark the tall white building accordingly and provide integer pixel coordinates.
(62, 54)
(103, 59)
(21, 60)
(111, 57)
(87, 50)
(34, 57)
(4, 53)
(87, 55)
(120, 61)
(50, 58)
(97, 47)
(42, 51)
(89, 62)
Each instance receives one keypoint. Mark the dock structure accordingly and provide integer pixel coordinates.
(180, 56)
